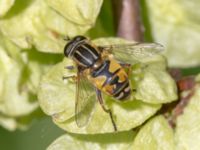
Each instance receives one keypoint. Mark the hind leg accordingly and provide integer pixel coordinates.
(107, 110)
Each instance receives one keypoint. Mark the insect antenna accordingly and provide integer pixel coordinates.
(66, 38)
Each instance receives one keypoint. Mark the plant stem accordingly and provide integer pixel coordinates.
(173, 110)
(127, 19)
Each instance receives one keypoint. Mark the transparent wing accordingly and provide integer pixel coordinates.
(85, 100)
(132, 53)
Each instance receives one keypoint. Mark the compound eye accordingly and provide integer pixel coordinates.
(68, 49)
(80, 38)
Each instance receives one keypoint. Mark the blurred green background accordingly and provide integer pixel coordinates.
(41, 133)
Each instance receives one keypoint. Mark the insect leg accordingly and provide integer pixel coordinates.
(69, 67)
(74, 77)
(66, 38)
(68, 77)
(100, 99)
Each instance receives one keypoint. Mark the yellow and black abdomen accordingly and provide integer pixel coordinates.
(112, 79)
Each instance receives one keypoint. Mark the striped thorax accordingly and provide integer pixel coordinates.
(81, 51)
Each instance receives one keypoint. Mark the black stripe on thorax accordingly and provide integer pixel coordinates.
(91, 50)
(86, 55)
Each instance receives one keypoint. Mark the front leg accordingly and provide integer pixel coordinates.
(71, 68)
(74, 77)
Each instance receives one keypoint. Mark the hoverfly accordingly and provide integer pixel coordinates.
(99, 72)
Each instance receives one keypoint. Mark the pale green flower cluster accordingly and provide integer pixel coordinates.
(27, 30)
(32, 66)
(176, 24)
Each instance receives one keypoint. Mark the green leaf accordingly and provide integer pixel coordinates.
(8, 123)
(5, 6)
(178, 30)
(21, 72)
(14, 100)
(79, 12)
(197, 78)
(157, 86)
(54, 94)
(119, 141)
(156, 134)
(187, 127)
(34, 23)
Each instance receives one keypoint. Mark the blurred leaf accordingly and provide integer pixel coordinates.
(79, 12)
(156, 134)
(188, 129)
(35, 23)
(5, 6)
(8, 123)
(14, 100)
(119, 141)
(175, 24)
(19, 79)
(157, 86)
(102, 27)
(198, 78)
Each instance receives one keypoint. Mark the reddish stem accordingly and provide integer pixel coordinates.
(127, 13)
(173, 110)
